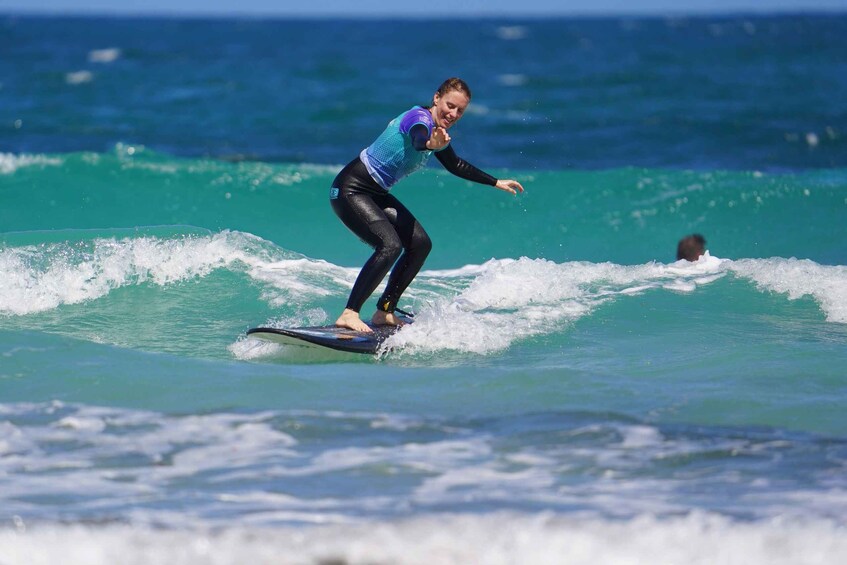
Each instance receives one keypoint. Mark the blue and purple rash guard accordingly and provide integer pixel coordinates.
(394, 154)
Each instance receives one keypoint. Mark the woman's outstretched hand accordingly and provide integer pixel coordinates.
(509, 185)
(438, 140)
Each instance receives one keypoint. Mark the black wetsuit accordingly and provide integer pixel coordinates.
(380, 220)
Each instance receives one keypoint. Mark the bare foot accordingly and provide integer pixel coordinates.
(350, 319)
(381, 318)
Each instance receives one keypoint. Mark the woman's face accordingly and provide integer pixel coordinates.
(446, 110)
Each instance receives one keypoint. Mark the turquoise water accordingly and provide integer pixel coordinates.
(566, 386)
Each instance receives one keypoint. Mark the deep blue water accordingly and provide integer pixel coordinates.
(739, 92)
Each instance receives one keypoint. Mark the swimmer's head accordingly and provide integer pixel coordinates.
(691, 247)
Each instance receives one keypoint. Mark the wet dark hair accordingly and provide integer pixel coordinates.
(454, 83)
(691, 247)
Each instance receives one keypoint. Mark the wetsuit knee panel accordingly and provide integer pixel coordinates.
(421, 242)
(389, 242)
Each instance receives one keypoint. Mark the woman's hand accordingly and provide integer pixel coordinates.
(509, 185)
(438, 140)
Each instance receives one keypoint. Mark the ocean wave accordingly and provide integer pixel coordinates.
(798, 278)
(43, 277)
(534, 297)
(271, 467)
(496, 538)
(456, 308)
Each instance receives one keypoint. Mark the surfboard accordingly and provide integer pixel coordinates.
(339, 339)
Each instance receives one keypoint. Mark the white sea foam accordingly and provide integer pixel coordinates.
(534, 297)
(39, 278)
(301, 279)
(512, 79)
(248, 349)
(79, 77)
(797, 278)
(9, 162)
(43, 277)
(61, 459)
(510, 33)
(641, 436)
(490, 539)
(107, 55)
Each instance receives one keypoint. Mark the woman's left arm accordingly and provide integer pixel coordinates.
(461, 168)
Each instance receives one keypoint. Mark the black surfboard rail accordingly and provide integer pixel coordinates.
(332, 337)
